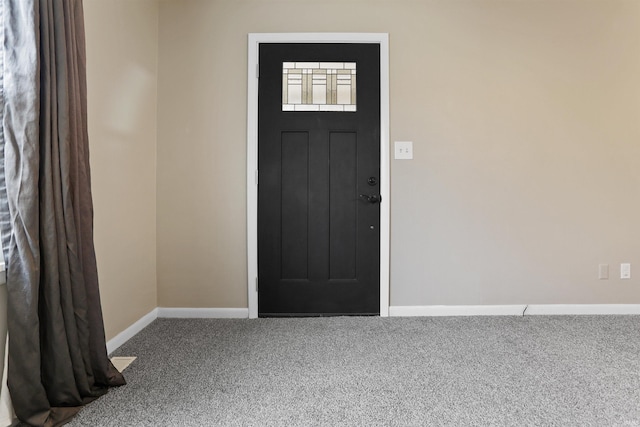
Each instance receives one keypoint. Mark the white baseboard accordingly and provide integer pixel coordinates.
(394, 311)
(582, 309)
(514, 310)
(203, 313)
(131, 331)
(456, 310)
(169, 312)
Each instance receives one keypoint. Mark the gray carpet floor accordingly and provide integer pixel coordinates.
(463, 371)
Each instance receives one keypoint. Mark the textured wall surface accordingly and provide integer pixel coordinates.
(122, 57)
(524, 117)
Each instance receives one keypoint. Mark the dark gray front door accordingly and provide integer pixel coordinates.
(318, 187)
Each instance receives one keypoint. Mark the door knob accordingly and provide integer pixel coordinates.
(374, 198)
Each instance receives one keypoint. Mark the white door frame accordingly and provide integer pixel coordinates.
(252, 150)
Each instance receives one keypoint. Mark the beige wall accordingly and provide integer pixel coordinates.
(122, 55)
(525, 120)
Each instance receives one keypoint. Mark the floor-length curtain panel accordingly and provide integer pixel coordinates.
(57, 352)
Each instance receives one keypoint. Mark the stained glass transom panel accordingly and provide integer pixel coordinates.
(318, 86)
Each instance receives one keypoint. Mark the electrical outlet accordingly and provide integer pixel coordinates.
(603, 271)
(625, 270)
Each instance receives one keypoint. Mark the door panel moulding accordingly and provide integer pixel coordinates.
(254, 40)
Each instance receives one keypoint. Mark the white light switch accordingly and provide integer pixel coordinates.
(403, 150)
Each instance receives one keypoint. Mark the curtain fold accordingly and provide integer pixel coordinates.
(57, 352)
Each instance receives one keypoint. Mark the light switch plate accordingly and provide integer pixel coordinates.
(403, 150)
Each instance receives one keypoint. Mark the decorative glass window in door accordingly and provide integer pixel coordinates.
(319, 86)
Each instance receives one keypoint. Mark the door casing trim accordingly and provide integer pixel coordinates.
(252, 151)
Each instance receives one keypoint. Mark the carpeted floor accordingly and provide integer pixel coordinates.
(463, 371)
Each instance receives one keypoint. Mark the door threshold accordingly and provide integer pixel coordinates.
(269, 315)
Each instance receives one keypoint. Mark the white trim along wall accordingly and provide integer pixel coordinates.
(394, 311)
(174, 313)
(515, 310)
(252, 150)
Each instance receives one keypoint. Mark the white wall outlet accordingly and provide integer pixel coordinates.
(625, 270)
(403, 150)
(603, 271)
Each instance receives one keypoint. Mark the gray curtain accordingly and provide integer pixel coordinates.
(57, 354)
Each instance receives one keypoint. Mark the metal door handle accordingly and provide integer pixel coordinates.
(374, 198)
